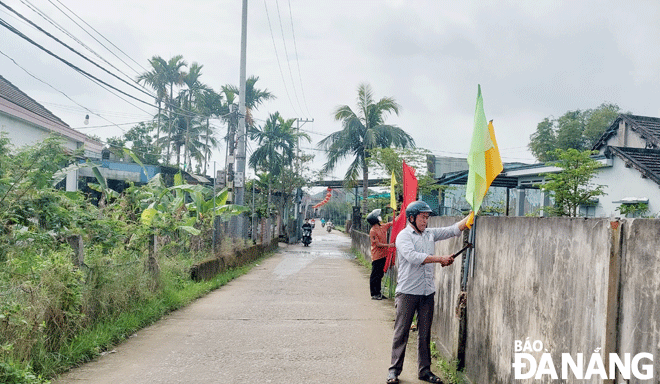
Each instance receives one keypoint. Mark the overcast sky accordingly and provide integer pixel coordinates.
(533, 59)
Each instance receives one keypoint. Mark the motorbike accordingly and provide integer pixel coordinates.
(329, 227)
(307, 237)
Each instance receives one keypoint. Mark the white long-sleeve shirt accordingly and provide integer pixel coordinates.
(412, 248)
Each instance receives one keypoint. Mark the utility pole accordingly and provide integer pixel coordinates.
(298, 217)
(239, 176)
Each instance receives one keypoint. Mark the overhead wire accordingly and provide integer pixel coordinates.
(76, 68)
(44, 16)
(72, 49)
(106, 39)
(286, 90)
(103, 84)
(286, 56)
(65, 95)
(295, 46)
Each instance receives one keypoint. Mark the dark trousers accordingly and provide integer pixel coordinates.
(406, 307)
(376, 275)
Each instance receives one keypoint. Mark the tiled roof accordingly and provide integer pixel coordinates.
(14, 95)
(647, 127)
(646, 161)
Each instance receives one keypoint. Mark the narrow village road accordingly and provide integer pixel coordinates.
(303, 315)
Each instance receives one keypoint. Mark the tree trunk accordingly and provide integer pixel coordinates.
(206, 150)
(158, 124)
(365, 188)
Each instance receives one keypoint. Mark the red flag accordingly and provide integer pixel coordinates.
(409, 195)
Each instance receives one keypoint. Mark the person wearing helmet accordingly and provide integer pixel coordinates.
(379, 246)
(415, 290)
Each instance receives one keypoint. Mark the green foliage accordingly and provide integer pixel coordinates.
(363, 130)
(634, 210)
(572, 187)
(47, 303)
(575, 129)
(391, 159)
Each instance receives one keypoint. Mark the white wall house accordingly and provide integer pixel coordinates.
(629, 153)
(26, 122)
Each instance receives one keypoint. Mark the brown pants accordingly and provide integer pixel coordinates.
(406, 307)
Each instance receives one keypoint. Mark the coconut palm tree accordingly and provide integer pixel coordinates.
(174, 76)
(363, 129)
(157, 80)
(194, 87)
(277, 142)
(210, 104)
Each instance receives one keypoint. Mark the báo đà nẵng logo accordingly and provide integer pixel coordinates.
(581, 366)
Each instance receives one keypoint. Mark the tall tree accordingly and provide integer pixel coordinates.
(210, 104)
(277, 142)
(173, 69)
(194, 88)
(363, 129)
(575, 129)
(156, 79)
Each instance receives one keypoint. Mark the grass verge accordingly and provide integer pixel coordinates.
(102, 336)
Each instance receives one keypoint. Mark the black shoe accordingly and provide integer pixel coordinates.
(377, 297)
(383, 297)
(430, 377)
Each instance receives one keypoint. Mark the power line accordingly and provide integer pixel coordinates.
(99, 33)
(286, 55)
(20, 34)
(65, 95)
(99, 82)
(295, 46)
(286, 90)
(73, 50)
(66, 32)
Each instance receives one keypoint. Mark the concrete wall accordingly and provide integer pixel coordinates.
(448, 288)
(360, 241)
(575, 285)
(639, 313)
(208, 269)
(542, 278)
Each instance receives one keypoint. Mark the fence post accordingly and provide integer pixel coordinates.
(76, 242)
(152, 263)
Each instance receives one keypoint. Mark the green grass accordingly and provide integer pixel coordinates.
(102, 336)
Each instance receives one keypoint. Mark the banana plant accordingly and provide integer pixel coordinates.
(173, 199)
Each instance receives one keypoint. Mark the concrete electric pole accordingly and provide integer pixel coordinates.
(239, 177)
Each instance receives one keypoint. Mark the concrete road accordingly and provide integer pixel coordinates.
(303, 315)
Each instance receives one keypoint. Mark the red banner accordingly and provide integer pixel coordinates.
(328, 195)
(409, 195)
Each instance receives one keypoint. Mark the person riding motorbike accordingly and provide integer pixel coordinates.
(307, 233)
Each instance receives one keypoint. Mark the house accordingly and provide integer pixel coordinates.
(629, 153)
(632, 144)
(26, 122)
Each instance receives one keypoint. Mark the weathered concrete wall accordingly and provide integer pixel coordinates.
(210, 268)
(538, 278)
(448, 288)
(639, 313)
(360, 241)
(576, 285)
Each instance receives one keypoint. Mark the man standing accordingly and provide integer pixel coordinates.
(379, 246)
(415, 291)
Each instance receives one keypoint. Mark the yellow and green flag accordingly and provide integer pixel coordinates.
(392, 195)
(484, 158)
